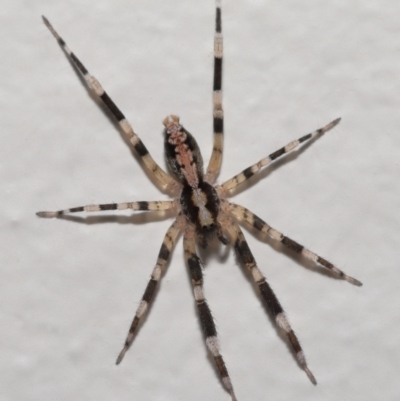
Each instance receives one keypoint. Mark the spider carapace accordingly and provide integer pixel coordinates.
(202, 209)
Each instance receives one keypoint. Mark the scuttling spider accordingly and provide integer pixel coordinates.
(202, 208)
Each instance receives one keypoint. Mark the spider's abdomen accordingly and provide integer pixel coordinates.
(201, 207)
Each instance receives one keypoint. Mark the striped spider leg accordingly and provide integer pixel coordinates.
(206, 319)
(143, 206)
(164, 179)
(268, 296)
(214, 164)
(163, 256)
(255, 168)
(201, 209)
(245, 216)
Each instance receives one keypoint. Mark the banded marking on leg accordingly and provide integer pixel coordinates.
(164, 178)
(206, 319)
(148, 296)
(250, 218)
(268, 296)
(218, 113)
(152, 206)
(255, 168)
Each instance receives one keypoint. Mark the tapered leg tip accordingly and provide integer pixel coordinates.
(121, 356)
(233, 395)
(46, 214)
(310, 376)
(353, 281)
(331, 125)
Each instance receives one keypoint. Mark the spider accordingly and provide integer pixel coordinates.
(202, 209)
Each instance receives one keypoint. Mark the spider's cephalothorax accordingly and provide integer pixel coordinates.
(202, 209)
(198, 199)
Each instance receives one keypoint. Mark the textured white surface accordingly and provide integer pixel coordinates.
(69, 289)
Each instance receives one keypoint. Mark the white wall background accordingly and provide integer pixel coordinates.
(69, 289)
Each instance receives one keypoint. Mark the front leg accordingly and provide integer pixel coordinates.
(164, 179)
